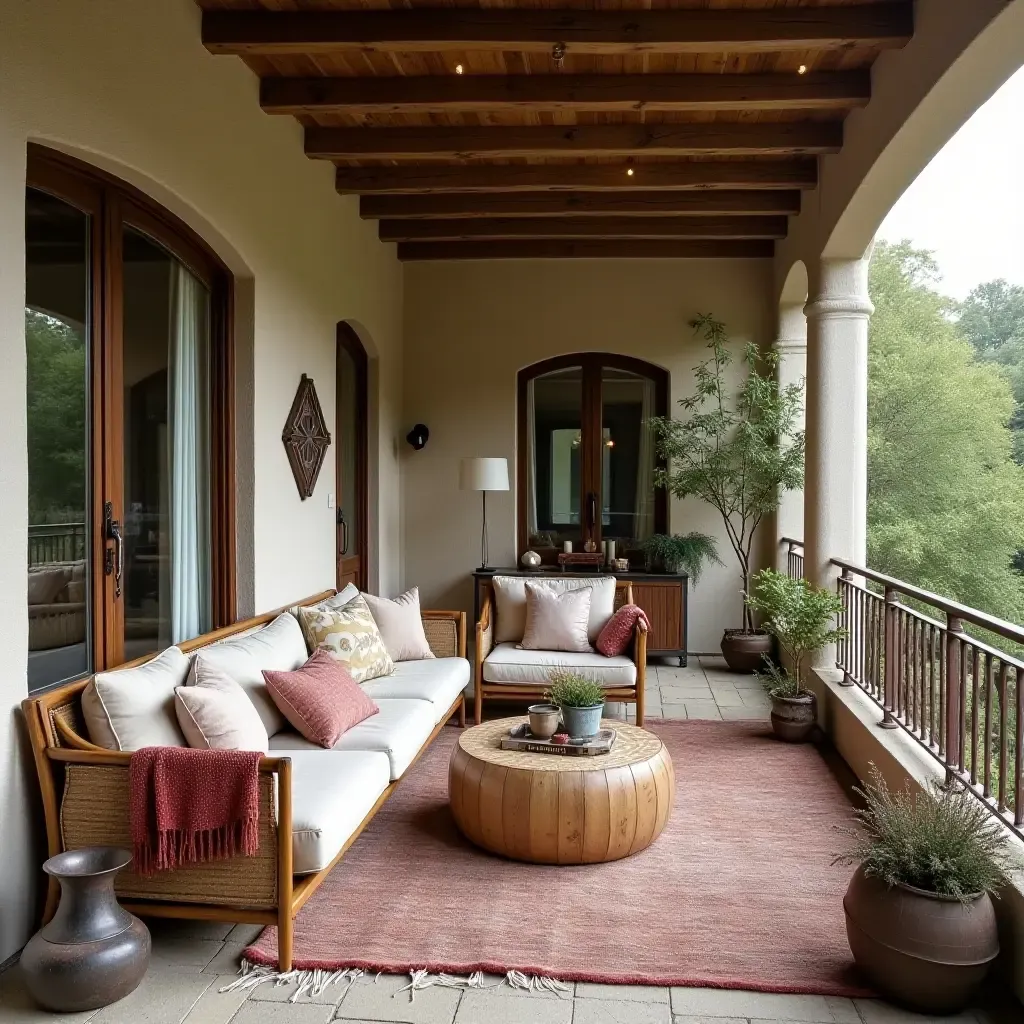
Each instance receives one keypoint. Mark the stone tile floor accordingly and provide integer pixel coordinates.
(193, 961)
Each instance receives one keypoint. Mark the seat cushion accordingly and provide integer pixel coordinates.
(510, 664)
(439, 681)
(399, 729)
(332, 791)
(510, 603)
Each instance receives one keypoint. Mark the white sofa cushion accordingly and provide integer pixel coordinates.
(399, 622)
(510, 664)
(399, 729)
(215, 713)
(130, 708)
(278, 646)
(332, 791)
(439, 681)
(510, 603)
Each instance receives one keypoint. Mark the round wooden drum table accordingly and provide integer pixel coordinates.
(560, 809)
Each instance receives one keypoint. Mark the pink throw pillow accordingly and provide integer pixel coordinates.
(617, 634)
(321, 699)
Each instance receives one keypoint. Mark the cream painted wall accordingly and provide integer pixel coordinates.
(127, 85)
(470, 326)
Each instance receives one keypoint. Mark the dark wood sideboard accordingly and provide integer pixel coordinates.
(665, 597)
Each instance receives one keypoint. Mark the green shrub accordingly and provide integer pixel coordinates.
(572, 690)
(942, 841)
(686, 552)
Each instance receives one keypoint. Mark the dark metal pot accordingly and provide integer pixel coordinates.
(928, 952)
(745, 652)
(794, 718)
(93, 952)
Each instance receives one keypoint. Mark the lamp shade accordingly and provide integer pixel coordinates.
(483, 475)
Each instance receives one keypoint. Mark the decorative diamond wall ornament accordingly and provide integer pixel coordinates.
(306, 437)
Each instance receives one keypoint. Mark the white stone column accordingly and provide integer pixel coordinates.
(791, 349)
(835, 485)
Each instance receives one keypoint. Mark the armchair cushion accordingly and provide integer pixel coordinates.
(557, 622)
(510, 664)
(438, 681)
(510, 603)
(616, 637)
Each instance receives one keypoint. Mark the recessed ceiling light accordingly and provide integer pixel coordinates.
(802, 70)
(459, 69)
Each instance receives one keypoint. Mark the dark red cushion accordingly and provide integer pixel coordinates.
(618, 632)
(321, 699)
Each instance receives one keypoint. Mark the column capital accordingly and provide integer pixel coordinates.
(839, 290)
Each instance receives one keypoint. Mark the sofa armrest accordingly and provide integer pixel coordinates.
(445, 632)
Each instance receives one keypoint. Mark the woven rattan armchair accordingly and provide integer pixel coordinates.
(482, 689)
(85, 801)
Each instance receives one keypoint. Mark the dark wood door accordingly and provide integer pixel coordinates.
(351, 455)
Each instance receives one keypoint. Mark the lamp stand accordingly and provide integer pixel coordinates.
(483, 531)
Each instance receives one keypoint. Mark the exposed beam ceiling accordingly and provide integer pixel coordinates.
(574, 140)
(702, 175)
(459, 94)
(584, 249)
(462, 228)
(547, 204)
(246, 32)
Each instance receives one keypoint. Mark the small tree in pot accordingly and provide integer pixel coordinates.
(801, 617)
(919, 913)
(738, 453)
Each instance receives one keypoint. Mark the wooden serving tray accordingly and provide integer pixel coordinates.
(602, 743)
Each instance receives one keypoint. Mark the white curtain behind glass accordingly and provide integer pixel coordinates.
(644, 517)
(531, 462)
(188, 404)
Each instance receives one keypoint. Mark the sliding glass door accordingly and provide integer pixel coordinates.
(129, 438)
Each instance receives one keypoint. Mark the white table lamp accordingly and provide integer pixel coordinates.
(483, 475)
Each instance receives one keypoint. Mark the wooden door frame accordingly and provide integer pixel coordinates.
(348, 340)
(113, 203)
(591, 365)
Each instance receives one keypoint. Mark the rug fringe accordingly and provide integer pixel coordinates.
(314, 982)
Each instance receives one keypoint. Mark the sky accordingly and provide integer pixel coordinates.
(968, 203)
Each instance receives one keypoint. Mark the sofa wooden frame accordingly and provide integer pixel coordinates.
(84, 790)
(532, 691)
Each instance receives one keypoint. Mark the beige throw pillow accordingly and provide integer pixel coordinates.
(557, 622)
(400, 625)
(510, 603)
(348, 634)
(130, 708)
(215, 714)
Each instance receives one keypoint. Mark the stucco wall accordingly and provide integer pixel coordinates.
(470, 326)
(127, 85)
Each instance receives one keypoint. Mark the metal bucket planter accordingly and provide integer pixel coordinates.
(93, 952)
(928, 952)
(582, 723)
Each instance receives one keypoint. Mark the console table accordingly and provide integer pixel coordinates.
(663, 596)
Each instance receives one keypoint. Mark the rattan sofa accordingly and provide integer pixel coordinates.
(85, 801)
(516, 689)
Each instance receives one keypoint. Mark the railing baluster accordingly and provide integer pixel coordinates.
(989, 697)
(1004, 676)
(1018, 791)
(976, 668)
(891, 618)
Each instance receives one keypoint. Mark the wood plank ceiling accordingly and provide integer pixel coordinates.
(487, 129)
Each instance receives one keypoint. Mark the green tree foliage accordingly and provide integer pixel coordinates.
(945, 498)
(56, 419)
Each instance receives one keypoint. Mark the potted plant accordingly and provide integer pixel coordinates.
(738, 453)
(919, 913)
(681, 552)
(801, 617)
(580, 700)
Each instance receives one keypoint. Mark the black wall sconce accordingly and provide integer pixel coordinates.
(418, 436)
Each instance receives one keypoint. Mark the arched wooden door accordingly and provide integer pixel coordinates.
(351, 455)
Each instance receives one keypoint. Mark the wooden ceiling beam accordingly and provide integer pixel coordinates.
(546, 204)
(581, 31)
(696, 174)
(468, 228)
(589, 248)
(468, 142)
(840, 90)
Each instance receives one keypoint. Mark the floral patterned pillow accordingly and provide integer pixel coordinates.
(350, 635)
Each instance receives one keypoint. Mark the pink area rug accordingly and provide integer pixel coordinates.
(739, 891)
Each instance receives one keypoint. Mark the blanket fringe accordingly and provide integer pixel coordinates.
(314, 982)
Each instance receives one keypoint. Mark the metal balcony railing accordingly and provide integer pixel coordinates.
(56, 542)
(794, 558)
(933, 668)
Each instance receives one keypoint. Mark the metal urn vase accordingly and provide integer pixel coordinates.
(93, 952)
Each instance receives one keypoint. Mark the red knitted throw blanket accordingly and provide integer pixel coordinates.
(189, 806)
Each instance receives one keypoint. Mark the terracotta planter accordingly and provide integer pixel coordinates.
(794, 718)
(745, 652)
(928, 952)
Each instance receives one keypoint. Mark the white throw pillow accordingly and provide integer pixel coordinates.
(279, 646)
(130, 708)
(557, 622)
(510, 603)
(215, 714)
(400, 625)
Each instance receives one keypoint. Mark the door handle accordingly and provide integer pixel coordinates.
(113, 563)
(344, 532)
